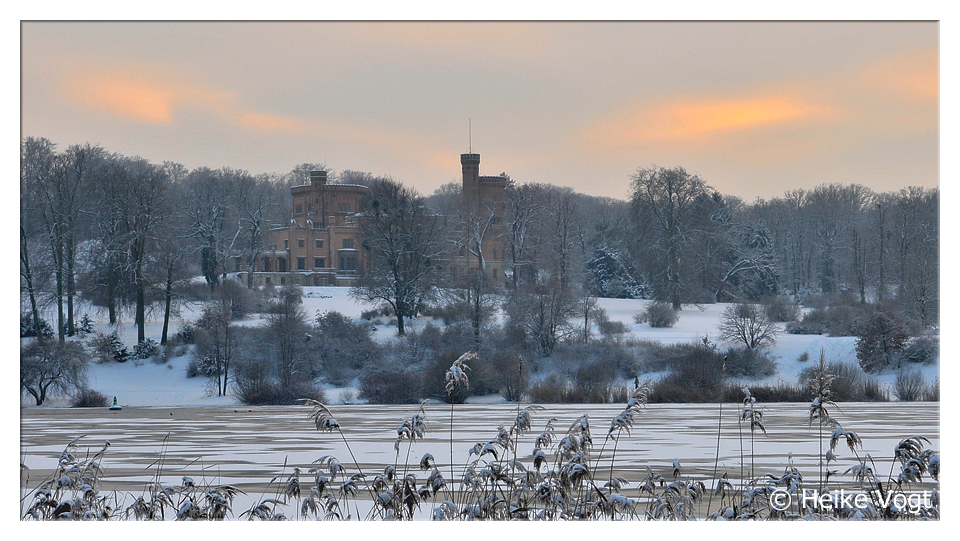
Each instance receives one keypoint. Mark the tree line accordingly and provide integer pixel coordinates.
(125, 235)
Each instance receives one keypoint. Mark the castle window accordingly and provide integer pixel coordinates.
(318, 262)
(348, 263)
(463, 252)
(286, 244)
(300, 243)
(298, 210)
(281, 265)
(319, 244)
(301, 263)
(348, 244)
(343, 207)
(494, 253)
(283, 280)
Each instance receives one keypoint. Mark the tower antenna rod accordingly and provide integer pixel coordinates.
(470, 136)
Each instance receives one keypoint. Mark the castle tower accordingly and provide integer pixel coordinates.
(471, 180)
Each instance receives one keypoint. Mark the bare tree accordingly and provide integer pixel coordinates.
(404, 240)
(667, 194)
(526, 205)
(748, 324)
(47, 367)
(138, 198)
(288, 331)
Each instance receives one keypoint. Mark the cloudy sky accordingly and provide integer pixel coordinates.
(754, 108)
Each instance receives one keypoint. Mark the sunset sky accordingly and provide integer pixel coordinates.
(754, 108)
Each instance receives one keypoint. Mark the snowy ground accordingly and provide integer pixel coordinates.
(148, 384)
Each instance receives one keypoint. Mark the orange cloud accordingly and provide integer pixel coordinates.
(126, 98)
(913, 75)
(687, 119)
(140, 96)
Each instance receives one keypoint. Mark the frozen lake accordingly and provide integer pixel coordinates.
(248, 446)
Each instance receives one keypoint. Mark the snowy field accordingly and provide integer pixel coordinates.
(149, 384)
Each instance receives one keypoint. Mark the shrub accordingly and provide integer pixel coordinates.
(146, 349)
(86, 325)
(781, 309)
(909, 385)
(833, 320)
(343, 346)
(920, 350)
(186, 333)
(555, 389)
(850, 383)
(390, 385)
(696, 375)
(455, 312)
(88, 398)
(607, 326)
(796, 327)
(803, 357)
(108, 347)
(27, 328)
(932, 392)
(382, 311)
(658, 314)
(880, 337)
(276, 394)
(550, 390)
(749, 363)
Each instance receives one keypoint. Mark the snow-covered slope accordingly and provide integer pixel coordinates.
(149, 384)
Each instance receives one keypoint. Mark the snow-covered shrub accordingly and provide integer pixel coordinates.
(86, 325)
(88, 398)
(607, 326)
(146, 349)
(109, 347)
(658, 315)
(205, 365)
(342, 346)
(28, 329)
(186, 334)
(612, 275)
(921, 350)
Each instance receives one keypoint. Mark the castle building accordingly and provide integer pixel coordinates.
(322, 243)
(321, 246)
